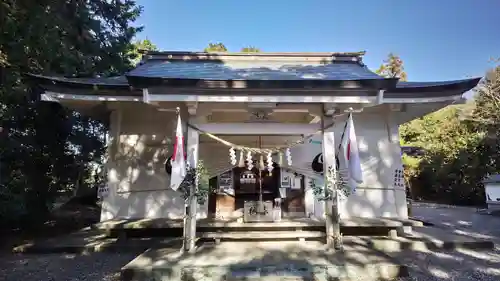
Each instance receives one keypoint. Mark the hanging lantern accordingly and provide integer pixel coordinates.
(241, 163)
(249, 160)
(232, 156)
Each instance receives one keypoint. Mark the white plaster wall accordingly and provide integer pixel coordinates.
(138, 184)
(380, 155)
(141, 141)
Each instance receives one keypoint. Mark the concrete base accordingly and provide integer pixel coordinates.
(263, 261)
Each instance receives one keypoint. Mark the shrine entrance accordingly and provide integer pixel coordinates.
(261, 192)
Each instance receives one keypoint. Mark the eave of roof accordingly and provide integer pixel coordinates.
(117, 82)
(432, 89)
(402, 89)
(436, 86)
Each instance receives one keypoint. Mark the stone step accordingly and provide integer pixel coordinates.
(262, 235)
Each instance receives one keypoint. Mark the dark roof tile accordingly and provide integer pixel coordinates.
(99, 81)
(252, 70)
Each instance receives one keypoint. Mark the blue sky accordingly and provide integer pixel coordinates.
(437, 39)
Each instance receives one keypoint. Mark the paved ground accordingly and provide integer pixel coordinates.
(459, 265)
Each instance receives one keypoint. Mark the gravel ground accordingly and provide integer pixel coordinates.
(63, 267)
(429, 266)
(453, 266)
(457, 265)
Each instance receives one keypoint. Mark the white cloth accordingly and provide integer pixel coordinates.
(178, 158)
(351, 155)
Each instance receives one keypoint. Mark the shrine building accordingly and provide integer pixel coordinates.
(255, 100)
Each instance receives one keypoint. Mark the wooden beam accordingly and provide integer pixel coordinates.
(54, 96)
(380, 97)
(259, 128)
(192, 107)
(190, 225)
(424, 100)
(145, 95)
(264, 98)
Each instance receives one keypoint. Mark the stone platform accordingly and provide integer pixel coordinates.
(94, 240)
(262, 261)
(236, 229)
(90, 241)
(377, 257)
(238, 222)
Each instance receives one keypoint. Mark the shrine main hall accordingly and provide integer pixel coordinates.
(263, 101)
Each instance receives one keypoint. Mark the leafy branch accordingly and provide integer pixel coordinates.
(334, 179)
(199, 176)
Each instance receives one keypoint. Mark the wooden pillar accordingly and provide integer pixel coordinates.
(190, 227)
(331, 205)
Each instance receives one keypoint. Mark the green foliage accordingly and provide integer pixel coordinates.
(250, 49)
(220, 47)
(334, 180)
(196, 175)
(393, 67)
(411, 164)
(45, 147)
(454, 163)
(137, 47)
(215, 47)
(460, 143)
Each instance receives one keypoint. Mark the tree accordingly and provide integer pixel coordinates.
(250, 49)
(393, 68)
(215, 47)
(487, 100)
(457, 154)
(45, 146)
(455, 158)
(485, 117)
(138, 46)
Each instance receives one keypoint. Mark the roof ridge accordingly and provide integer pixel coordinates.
(322, 58)
(257, 54)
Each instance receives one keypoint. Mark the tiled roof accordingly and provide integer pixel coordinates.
(259, 70)
(252, 70)
(98, 81)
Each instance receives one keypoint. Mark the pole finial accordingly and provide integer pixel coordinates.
(178, 110)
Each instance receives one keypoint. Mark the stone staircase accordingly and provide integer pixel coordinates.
(263, 231)
(236, 230)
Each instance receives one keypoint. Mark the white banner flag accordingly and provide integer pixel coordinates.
(178, 158)
(351, 155)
